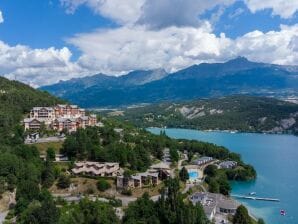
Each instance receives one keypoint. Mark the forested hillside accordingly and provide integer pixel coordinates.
(16, 99)
(242, 113)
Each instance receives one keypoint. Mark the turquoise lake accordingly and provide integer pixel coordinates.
(275, 158)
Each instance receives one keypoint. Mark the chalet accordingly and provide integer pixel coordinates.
(62, 110)
(214, 203)
(228, 164)
(32, 123)
(45, 114)
(138, 180)
(203, 160)
(69, 124)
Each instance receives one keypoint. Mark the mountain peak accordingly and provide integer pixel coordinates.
(239, 59)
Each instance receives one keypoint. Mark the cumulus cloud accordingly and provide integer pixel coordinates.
(153, 13)
(124, 49)
(278, 47)
(1, 17)
(286, 9)
(127, 13)
(152, 34)
(36, 66)
(165, 13)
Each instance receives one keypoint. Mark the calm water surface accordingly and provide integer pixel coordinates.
(275, 157)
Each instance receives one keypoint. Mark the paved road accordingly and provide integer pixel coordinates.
(45, 140)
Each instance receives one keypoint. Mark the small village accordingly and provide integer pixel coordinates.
(122, 186)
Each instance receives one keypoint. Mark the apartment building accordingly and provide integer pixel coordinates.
(96, 169)
(60, 117)
(138, 180)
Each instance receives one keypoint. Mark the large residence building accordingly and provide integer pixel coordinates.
(152, 176)
(215, 204)
(96, 169)
(59, 117)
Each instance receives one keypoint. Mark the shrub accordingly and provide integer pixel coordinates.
(103, 185)
(127, 192)
(63, 181)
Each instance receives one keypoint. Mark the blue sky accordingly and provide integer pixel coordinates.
(44, 41)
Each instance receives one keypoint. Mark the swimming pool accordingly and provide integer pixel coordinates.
(193, 175)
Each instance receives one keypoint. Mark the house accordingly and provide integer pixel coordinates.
(203, 160)
(163, 170)
(32, 137)
(138, 180)
(44, 114)
(32, 123)
(166, 155)
(70, 111)
(58, 158)
(228, 164)
(214, 203)
(96, 169)
(69, 124)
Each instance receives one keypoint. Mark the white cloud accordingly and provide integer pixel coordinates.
(285, 8)
(165, 13)
(1, 17)
(151, 36)
(36, 66)
(126, 13)
(273, 47)
(153, 13)
(124, 49)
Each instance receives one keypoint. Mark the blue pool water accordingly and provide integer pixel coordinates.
(193, 175)
(275, 158)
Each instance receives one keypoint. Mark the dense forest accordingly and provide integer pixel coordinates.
(242, 113)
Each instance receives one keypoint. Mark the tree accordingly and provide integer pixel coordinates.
(213, 186)
(48, 175)
(171, 207)
(242, 216)
(43, 211)
(51, 154)
(63, 181)
(87, 211)
(103, 185)
(261, 221)
(210, 170)
(183, 174)
(143, 210)
(174, 154)
(224, 185)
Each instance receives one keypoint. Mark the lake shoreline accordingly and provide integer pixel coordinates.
(231, 131)
(275, 179)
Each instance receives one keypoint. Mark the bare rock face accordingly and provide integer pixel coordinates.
(192, 112)
(215, 111)
(262, 120)
(287, 123)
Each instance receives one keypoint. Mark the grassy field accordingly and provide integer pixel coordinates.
(42, 147)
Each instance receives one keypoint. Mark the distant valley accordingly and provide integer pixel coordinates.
(237, 76)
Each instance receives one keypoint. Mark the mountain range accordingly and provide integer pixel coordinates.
(237, 76)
